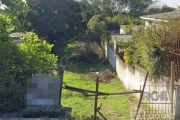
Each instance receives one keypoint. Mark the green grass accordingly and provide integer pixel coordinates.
(113, 107)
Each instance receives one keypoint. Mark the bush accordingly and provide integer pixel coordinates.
(5, 27)
(104, 76)
(18, 61)
(114, 23)
(12, 97)
(87, 52)
(97, 28)
(154, 48)
(95, 17)
(37, 53)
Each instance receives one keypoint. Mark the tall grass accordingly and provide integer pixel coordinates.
(116, 107)
(113, 23)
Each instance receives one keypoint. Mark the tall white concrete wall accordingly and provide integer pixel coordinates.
(111, 56)
(133, 78)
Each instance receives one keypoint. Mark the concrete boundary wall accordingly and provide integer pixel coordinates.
(133, 78)
(111, 56)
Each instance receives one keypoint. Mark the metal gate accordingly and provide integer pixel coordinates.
(156, 103)
(157, 100)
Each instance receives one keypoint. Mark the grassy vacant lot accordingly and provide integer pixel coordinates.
(117, 107)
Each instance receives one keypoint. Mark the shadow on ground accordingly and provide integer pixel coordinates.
(82, 67)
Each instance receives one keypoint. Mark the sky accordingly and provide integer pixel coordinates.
(171, 3)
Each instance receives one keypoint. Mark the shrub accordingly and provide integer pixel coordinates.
(5, 27)
(12, 97)
(37, 53)
(128, 56)
(95, 17)
(18, 61)
(87, 52)
(97, 28)
(97, 32)
(153, 48)
(104, 76)
(113, 23)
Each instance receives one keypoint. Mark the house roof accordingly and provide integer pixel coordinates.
(118, 38)
(134, 27)
(162, 16)
(19, 34)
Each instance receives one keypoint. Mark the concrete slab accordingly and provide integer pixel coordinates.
(35, 112)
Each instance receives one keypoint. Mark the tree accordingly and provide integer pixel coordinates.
(155, 10)
(166, 8)
(14, 9)
(37, 53)
(109, 7)
(33, 2)
(87, 10)
(5, 28)
(56, 20)
(105, 7)
(97, 30)
(17, 62)
(12, 94)
(13, 6)
(138, 7)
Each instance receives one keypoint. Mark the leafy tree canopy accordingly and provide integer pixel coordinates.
(5, 28)
(37, 53)
(55, 19)
(154, 48)
(13, 6)
(155, 10)
(19, 61)
(14, 9)
(109, 7)
(138, 7)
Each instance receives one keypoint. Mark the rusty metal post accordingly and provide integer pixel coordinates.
(96, 99)
(172, 85)
(61, 74)
(141, 94)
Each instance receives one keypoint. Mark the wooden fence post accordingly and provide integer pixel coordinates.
(96, 99)
(172, 85)
(61, 74)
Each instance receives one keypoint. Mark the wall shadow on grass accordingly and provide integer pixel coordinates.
(84, 67)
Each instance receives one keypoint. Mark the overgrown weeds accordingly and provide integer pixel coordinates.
(105, 76)
(113, 107)
(154, 48)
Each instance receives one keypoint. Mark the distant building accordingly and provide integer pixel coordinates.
(17, 36)
(155, 18)
(124, 29)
